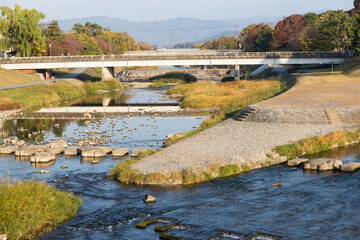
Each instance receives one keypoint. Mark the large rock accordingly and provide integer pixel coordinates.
(120, 152)
(314, 163)
(350, 167)
(43, 157)
(58, 143)
(326, 166)
(9, 149)
(323, 164)
(296, 162)
(96, 152)
(30, 150)
(138, 152)
(149, 199)
(71, 152)
(56, 150)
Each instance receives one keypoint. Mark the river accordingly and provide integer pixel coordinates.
(308, 205)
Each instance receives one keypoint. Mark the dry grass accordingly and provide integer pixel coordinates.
(313, 145)
(11, 78)
(206, 95)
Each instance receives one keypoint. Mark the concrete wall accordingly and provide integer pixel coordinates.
(198, 73)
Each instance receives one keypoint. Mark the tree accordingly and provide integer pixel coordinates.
(20, 31)
(91, 47)
(53, 31)
(311, 19)
(247, 37)
(288, 29)
(337, 31)
(264, 39)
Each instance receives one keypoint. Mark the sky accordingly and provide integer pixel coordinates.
(147, 10)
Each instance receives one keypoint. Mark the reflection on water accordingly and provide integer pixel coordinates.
(133, 96)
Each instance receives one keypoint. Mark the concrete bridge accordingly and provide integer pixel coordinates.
(172, 58)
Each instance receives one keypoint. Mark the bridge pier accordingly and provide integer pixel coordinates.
(237, 72)
(107, 73)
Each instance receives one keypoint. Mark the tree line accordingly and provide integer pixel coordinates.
(329, 31)
(20, 31)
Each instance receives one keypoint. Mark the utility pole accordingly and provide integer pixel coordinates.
(236, 37)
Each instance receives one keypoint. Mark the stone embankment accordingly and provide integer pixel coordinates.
(198, 73)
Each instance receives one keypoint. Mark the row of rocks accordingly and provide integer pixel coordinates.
(47, 153)
(325, 164)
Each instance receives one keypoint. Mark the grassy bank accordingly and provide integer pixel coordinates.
(123, 172)
(229, 96)
(11, 78)
(45, 94)
(30, 208)
(319, 144)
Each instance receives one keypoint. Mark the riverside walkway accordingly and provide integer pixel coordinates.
(248, 143)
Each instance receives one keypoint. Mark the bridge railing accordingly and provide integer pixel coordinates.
(151, 55)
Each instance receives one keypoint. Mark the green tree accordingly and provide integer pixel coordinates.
(311, 19)
(264, 39)
(20, 32)
(337, 31)
(91, 47)
(53, 31)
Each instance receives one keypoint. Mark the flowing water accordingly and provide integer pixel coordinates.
(308, 205)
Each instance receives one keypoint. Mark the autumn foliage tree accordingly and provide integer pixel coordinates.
(287, 29)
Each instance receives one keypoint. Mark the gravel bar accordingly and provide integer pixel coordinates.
(230, 142)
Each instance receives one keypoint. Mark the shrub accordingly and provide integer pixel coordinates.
(177, 75)
(228, 79)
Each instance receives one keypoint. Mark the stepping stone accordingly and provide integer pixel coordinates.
(96, 152)
(120, 152)
(350, 167)
(296, 162)
(56, 150)
(9, 149)
(314, 163)
(138, 152)
(43, 157)
(71, 151)
(57, 143)
(27, 151)
(323, 164)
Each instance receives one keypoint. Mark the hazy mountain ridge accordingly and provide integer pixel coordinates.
(172, 31)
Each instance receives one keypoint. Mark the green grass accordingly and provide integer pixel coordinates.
(11, 78)
(318, 144)
(30, 208)
(41, 94)
(56, 92)
(110, 85)
(165, 81)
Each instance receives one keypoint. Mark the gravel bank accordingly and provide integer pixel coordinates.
(230, 142)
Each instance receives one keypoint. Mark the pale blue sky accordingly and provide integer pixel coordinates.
(144, 10)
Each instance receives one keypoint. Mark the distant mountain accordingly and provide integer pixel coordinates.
(173, 31)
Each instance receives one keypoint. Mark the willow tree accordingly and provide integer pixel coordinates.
(20, 31)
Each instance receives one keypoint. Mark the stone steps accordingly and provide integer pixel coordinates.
(245, 114)
(334, 117)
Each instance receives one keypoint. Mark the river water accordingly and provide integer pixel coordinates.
(308, 205)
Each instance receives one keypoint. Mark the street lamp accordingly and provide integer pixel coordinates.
(50, 49)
